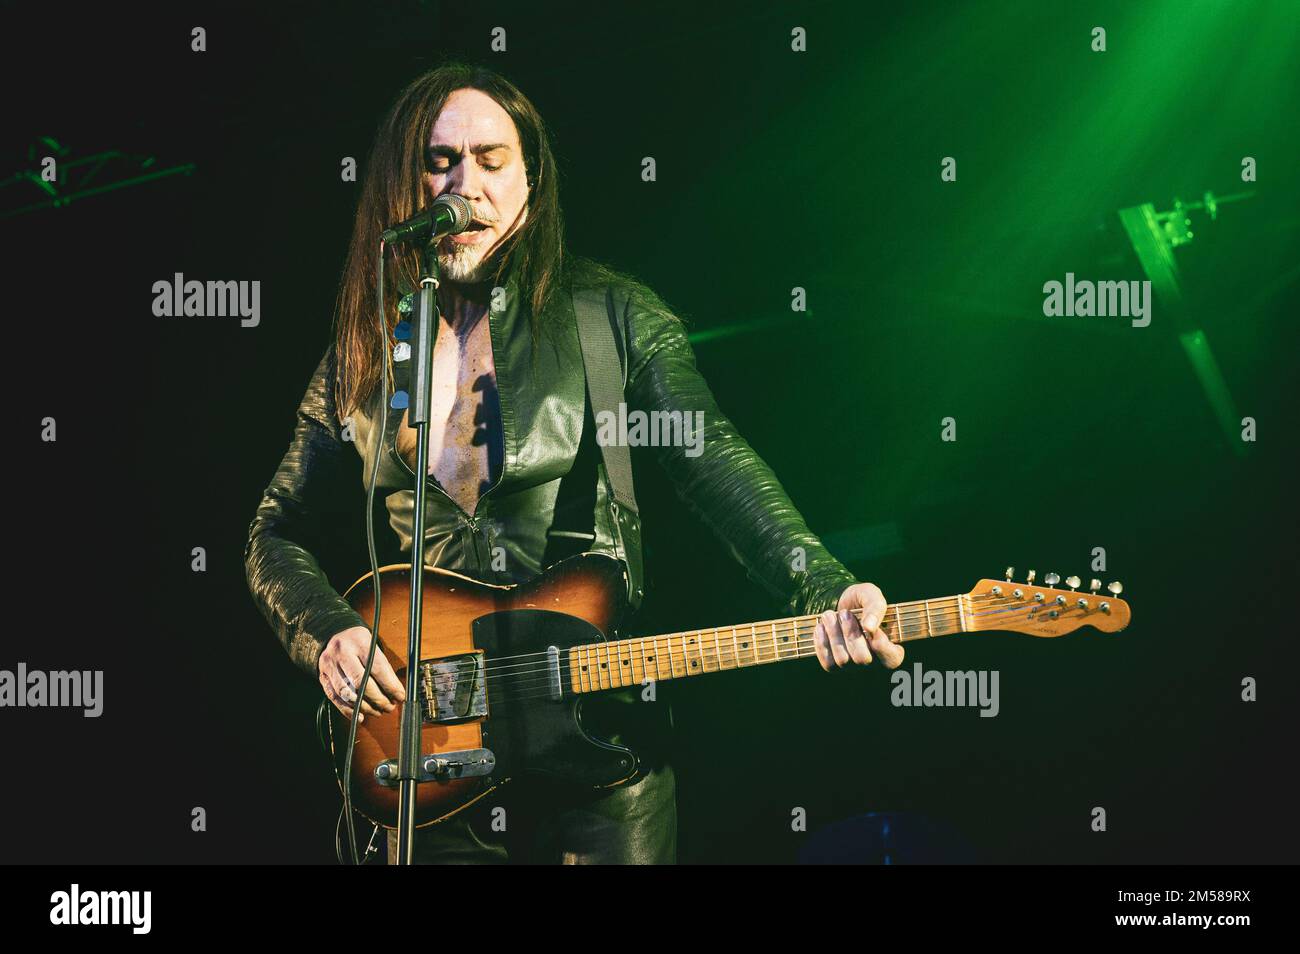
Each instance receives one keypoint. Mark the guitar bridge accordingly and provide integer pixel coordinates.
(453, 689)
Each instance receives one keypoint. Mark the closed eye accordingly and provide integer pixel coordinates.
(439, 159)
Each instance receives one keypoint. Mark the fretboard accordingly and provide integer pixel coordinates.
(632, 662)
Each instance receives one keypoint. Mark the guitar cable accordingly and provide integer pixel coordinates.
(377, 449)
(323, 736)
(371, 847)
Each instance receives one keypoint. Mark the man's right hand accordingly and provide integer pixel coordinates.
(341, 665)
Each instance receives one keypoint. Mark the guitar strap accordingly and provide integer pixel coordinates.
(597, 330)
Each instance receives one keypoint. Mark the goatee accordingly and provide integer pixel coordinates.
(464, 266)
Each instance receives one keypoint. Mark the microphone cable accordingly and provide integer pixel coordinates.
(377, 449)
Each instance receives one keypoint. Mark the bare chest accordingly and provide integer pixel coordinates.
(465, 445)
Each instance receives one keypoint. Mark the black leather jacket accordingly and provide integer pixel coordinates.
(551, 498)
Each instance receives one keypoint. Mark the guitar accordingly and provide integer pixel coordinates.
(504, 670)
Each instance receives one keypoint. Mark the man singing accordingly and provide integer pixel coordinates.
(516, 482)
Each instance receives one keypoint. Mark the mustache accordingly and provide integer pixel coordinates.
(481, 217)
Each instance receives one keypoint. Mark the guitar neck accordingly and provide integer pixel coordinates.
(596, 667)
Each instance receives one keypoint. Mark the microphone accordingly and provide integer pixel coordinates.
(448, 215)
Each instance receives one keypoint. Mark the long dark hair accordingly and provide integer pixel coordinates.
(393, 190)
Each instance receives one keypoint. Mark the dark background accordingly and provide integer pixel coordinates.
(774, 170)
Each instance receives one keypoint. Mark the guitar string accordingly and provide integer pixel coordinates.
(740, 635)
(633, 646)
(758, 631)
(904, 614)
(803, 648)
(680, 666)
(678, 670)
(945, 604)
(520, 696)
(795, 626)
(857, 611)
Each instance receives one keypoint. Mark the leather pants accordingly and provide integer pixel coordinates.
(531, 824)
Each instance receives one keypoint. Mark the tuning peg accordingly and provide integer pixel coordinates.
(1011, 571)
(1116, 588)
(1052, 579)
(1030, 577)
(1095, 585)
(1072, 582)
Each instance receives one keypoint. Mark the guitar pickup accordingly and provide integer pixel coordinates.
(453, 689)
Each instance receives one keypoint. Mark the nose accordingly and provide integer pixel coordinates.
(466, 179)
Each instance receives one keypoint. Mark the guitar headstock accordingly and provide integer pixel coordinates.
(1045, 610)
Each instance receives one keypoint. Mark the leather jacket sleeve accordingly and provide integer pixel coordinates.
(287, 583)
(727, 485)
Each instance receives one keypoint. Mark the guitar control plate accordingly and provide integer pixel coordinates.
(443, 767)
(453, 689)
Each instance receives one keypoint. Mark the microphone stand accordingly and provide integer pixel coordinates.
(421, 392)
